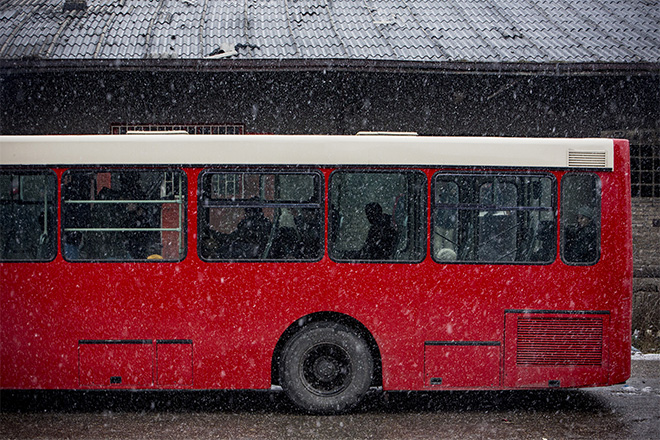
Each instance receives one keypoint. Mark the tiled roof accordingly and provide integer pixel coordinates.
(485, 31)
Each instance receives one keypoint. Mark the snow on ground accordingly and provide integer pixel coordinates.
(645, 378)
(638, 356)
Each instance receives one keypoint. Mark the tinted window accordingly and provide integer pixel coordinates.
(123, 215)
(28, 216)
(493, 218)
(377, 216)
(580, 214)
(256, 216)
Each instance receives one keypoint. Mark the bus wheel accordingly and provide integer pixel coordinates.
(326, 367)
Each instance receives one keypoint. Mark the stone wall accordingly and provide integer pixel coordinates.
(646, 237)
(646, 284)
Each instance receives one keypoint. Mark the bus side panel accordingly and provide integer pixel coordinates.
(480, 304)
(556, 350)
(462, 365)
(617, 282)
(215, 325)
(37, 319)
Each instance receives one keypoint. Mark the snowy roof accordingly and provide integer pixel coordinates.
(430, 31)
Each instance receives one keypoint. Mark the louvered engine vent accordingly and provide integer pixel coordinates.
(560, 341)
(587, 159)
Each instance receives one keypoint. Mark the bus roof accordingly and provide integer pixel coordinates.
(168, 149)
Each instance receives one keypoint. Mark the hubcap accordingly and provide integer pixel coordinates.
(326, 369)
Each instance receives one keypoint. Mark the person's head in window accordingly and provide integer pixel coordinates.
(584, 217)
(582, 238)
(374, 213)
(253, 212)
(381, 237)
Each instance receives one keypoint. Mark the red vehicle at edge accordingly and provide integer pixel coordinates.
(326, 265)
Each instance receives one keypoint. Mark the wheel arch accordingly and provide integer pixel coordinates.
(336, 317)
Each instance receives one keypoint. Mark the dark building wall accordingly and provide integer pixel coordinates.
(332, 102)
(348, 102)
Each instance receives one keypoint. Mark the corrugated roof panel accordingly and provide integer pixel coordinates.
(269, 35)
(76, 36)
(37, 33)
(538, 29)
(362, 39)
(12, 12)
(224, 23)
(127, 33)
(629, 24)
(312, 31)
(430, 30)
(10, 22)
(445, 23)
(171, 28)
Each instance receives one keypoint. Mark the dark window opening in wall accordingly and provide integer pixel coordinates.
(190, 128)
(645, 170)
(644, 160)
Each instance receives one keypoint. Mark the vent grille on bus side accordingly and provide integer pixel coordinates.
(587, 159)
(560, 341)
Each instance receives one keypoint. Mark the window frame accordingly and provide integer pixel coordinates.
(55, 225)
(554, 208)
(423, 214)
(183, 213)
(562, 223)
(320, 204)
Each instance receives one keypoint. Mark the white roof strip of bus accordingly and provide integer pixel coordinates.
(306, 150)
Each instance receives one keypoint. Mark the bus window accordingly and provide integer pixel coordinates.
(123, 215)
(580, 215)
(497, 235)
(444, 240)
(377, 216)
(493, 218)
(28, 216)
(252, 216)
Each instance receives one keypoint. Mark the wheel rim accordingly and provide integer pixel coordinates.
(326, 369)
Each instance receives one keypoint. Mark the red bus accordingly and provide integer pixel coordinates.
(324, 265)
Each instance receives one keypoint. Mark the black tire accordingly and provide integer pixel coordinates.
(326, 368)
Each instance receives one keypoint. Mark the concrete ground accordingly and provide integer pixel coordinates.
(630, 411)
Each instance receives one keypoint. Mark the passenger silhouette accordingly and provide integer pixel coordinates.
(251, 235)
(582, 239)
(381, 238)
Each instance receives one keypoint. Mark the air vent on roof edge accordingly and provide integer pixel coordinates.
(587, 159)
